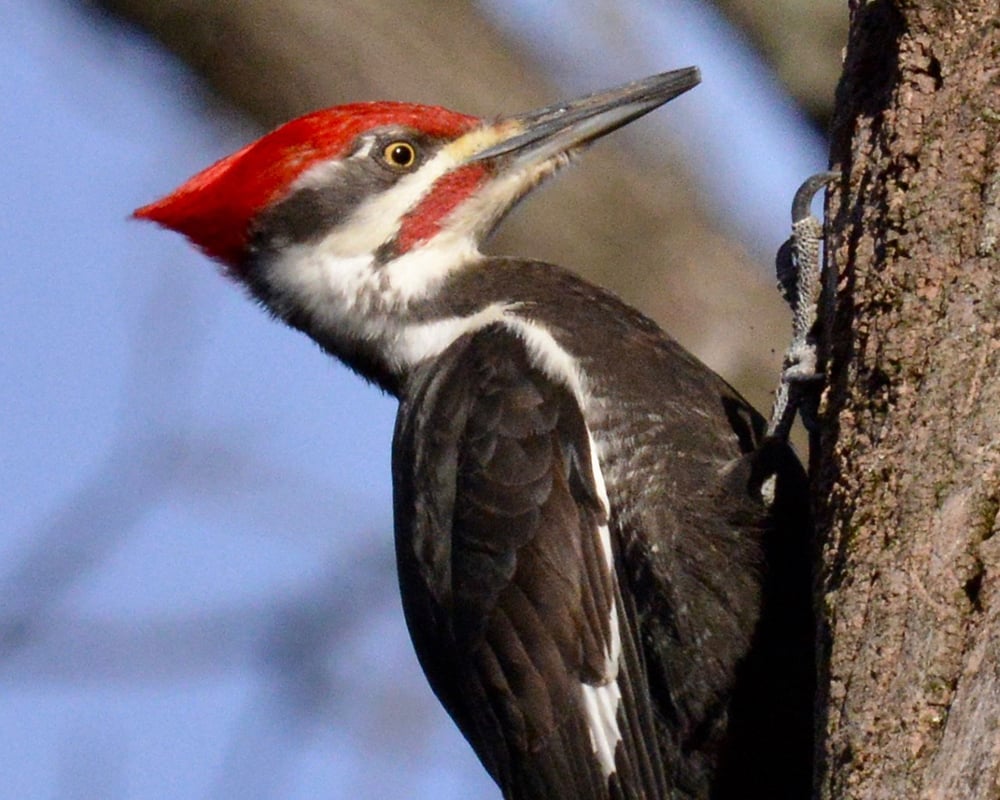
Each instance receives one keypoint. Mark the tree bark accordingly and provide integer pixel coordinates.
(908, 478)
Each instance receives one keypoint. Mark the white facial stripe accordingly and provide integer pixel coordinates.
(367, 142)
(377, 220)
(353, 300)
(417, 273)
(338, 277)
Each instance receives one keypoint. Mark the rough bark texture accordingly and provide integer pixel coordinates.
(909, 480)
(631, 224)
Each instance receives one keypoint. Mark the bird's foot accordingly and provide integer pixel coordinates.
(799, 281)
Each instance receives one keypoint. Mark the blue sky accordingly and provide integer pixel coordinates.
(195, 594)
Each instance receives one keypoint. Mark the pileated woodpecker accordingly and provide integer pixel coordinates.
(602, 564)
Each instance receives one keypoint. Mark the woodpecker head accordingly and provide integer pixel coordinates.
(339, 220)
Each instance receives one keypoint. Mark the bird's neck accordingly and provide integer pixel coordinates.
(380, 317)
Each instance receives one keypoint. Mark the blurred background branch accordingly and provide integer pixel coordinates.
(803, 43)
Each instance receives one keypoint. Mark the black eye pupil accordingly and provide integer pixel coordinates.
(401, 155)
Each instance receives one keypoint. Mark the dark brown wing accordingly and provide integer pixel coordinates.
(509, 580)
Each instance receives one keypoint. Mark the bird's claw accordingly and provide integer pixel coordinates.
(799, 280)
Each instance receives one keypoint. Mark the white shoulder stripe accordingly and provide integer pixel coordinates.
(549, 356)
(425, 340)
(420, 341)
(416, 342)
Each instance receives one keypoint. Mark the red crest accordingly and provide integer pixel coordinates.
(214, 209)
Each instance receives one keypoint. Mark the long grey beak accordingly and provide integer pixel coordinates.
(557, 128)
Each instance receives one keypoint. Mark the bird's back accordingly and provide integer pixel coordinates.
(712, 585)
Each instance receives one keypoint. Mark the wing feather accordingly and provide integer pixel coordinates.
(518, 620)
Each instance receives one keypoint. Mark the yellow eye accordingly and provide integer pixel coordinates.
(401, 155)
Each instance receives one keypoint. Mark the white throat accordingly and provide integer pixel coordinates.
(355, 298)
(347, 294)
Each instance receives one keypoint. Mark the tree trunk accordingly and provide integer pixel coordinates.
(908, 477)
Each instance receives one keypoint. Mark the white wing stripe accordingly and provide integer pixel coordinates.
(600, 704)
(425, 340)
